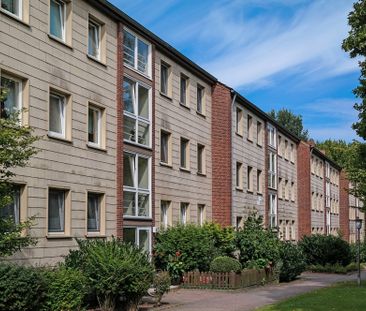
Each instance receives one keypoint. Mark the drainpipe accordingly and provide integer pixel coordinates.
(231, 160)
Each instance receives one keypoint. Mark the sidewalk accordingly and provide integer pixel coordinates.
(248, 299)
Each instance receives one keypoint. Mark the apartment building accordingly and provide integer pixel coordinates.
(354, 213)
(57, 60)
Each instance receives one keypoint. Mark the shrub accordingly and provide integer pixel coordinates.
(67, 289)
(354, 251)
(337, 268)
(21, 288)
(293, 263)
(225, 264)
(119, 274)
(223, 237)
(321, 250)
(256, 244)
(161, 285)
(188, 248)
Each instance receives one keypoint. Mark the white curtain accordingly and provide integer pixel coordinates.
(56, 211)
(93, 213)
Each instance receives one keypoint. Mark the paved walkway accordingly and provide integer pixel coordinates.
(249, 299)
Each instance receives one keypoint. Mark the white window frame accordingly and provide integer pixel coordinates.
(164, 210)
(20, 10)
(137, 235)
(63, 116)
(98, 27)
(184, 94)
(272, 170)
(100, 203)
(136, 190)
(99, 126)
(183, 213)
(201, 90)
(273, 210)
(19, 91)
(201, 214)
(135, 66)
(63, 20)
(139, 119)
(272, 135)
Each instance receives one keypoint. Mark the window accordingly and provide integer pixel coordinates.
(94, 39)
(201, 214)
(58, 213)
(201, 159)
(250, 127)
(280, 151)
(183, 90)
(136, 99)
(239, 223)
(11, 89)
(95, 212)
(250, 178)
(165, 148)
(200, 99)
(12, 210)
(286, 190)
(259, 134)
(14, 7)
(136, 52)
(259, 182)
(164, 78)
(184, 213)
(95, 120)
(239, 121)
(136, 185)
(287, 231)
(292, 156)
(286, 150)
(184, 153)
(271, 136)
(165, 216)
(327, 170)
(57, 115)
(58, 19)
(139, 236)
(272, 211)
(272, 174)
(292, 191)
(239, 175)
(280, 188)
(293, 232)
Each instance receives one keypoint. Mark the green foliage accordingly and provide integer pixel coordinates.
(161, 285)
(225, 264)
(258, 246)
(119, 274)
(354, 251)
(292, 260)
(21, 288)
(67, 289)
(321, 250)
(355, 45)
(337, 268)
(188, 247)
(223, 237)
(290, 121)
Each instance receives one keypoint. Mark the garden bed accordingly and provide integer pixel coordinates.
(230, 280)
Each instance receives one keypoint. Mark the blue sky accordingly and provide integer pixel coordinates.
(276, 53)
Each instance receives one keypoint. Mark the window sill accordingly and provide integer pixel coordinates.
(260, 193)
(166, 164)
(51, 236)
(14, 17)
(56, 137)
(201, 174)
(186, 170)
(249, 140)
(166, 96)
(280, 199)
(201, 114)
(240, 135)
(142, 218)
(58, 40)
(90, 235)
(184, 106)
(98, 61)
(239, 189)
(260, 145)
(95, 147)
(250, 191)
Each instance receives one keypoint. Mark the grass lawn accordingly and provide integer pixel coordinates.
(340, 297)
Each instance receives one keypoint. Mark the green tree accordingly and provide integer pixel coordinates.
(290, 121)
(355, 45)
(337, 150)
(16, 148)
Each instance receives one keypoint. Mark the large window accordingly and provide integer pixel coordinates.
(165, 148)
(94, 39)
(58, 19)
(57, 115)
(164, 78)
(136, 52)
(94, 212)
(184, 153)
(56, 210)
(14, 7)
(272, 172)
(11, 90)
(139, 236)
(12, 210)
(95, 126)
(136, 185)
(272, 210)
(201, 159)
(136, 99)
(183, 90)
(271, 136)
(200, 99)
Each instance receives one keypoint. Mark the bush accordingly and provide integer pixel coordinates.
(223, 237)
(292, 260)
(354, 251)
(119, 274)
(161, 285)
(21, 288)
(337, 268)
(67, 289)
(184, 248)
(225, 264)
(256, 244)
(325, 249)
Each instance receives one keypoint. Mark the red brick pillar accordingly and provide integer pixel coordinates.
(304, 189)
(344, 205)
(221, 155)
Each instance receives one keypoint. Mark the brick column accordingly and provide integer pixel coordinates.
(304, 189)
(344, 205)
(221, 155)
